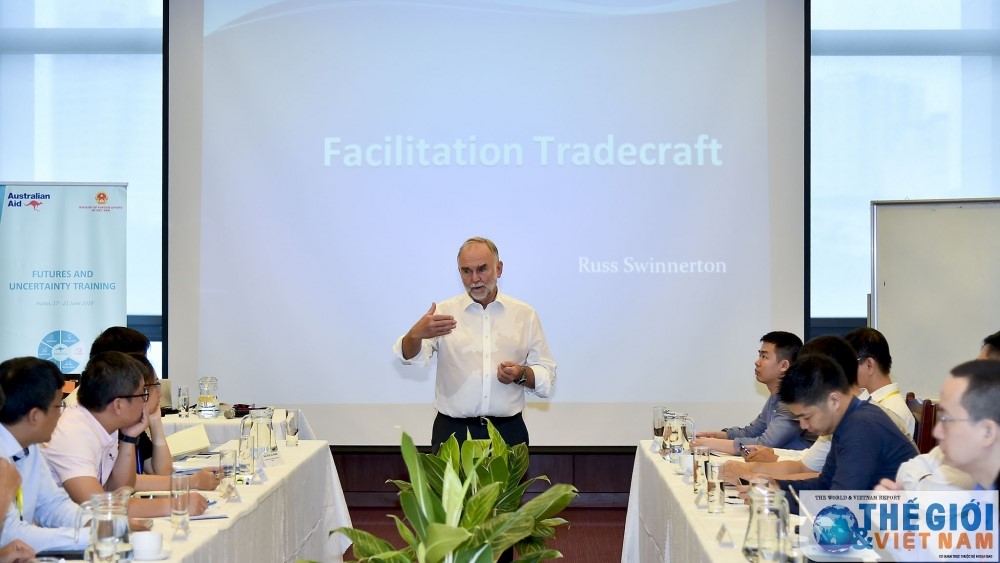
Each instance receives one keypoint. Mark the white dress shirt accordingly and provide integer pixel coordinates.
(46, 517)
(467, 358)
(80, 447)
(889, 398)
(927, 472)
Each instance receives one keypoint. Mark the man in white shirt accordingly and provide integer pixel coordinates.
(490, 351)
(874, 365)
(93, 447)
(43, 515)
(968, 428)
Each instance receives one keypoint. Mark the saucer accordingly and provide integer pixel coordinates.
(163, 554)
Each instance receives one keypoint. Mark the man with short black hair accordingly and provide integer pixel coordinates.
(120, 339)
(874, 366)
(93, 447)
(44, 516)
(866, 444)
(991, 347)
(775, 426)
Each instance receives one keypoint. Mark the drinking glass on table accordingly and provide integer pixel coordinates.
(292, 428)
(658, 427)
(246, 455)
(180, 493)
(183, 401)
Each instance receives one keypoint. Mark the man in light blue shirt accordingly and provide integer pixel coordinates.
(775, 426)
(43, 515)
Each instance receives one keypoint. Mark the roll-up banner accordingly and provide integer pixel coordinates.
(62, 268)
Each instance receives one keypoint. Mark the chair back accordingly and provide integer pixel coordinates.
(925, 413)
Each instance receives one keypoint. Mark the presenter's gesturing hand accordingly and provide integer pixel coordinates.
(429, 326)
(432, 326)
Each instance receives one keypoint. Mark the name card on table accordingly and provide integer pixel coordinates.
(272, 459)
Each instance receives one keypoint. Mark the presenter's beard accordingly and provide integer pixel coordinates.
(482, 291)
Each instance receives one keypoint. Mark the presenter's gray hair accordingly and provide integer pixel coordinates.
(479, 240)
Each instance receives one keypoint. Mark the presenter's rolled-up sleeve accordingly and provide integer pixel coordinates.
(540, 359)
(423, 357)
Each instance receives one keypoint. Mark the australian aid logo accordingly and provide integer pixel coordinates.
(899, 525)
(32, 200)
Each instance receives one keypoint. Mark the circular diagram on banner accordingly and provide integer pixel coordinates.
(63, 348)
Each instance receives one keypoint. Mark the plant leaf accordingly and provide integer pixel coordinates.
(550, 502)
(452, 496)
(428, 509)
(434, 470)
(536, 556)
(510, 499)
(449, 453)
(442, 541)
(504, 530)
(365, 543)
(403, 485)
(409, 503)
(404, 531)
(497, 441)
(480, 505)
(493, 470)
(477, 554)
(517, 463)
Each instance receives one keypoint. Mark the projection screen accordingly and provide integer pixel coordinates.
(640, 166)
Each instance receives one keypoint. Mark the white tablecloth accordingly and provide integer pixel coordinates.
(285, 519)
(663, 523)
(221, 430)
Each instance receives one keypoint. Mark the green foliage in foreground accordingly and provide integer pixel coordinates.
(463, 505)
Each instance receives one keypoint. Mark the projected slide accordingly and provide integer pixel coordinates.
(616, 152)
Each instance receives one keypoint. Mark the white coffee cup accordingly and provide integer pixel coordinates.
(146, 544)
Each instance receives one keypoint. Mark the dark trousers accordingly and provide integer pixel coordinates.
(512, 428)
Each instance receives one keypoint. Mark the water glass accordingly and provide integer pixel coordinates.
(247, 455)
(180, 492)
(227, 469)
(183, 401)
(658, 427)
(716, 488)
(292, 428)
(699, 473)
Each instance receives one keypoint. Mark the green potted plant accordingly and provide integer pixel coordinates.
(463, 505)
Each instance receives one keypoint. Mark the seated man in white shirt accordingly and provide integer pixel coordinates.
(44, 516)
(93, 447)
(968, 431)
(874, 365)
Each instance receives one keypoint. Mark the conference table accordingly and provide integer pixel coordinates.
(664, 524)
(221, 430)
(286, 518)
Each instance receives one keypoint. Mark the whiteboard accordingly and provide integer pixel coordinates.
(935, 284)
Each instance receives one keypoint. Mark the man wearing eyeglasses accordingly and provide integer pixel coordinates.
(93, 447)
(968, 427)
(43, 516)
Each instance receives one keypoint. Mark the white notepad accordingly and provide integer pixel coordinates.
(188, 441)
